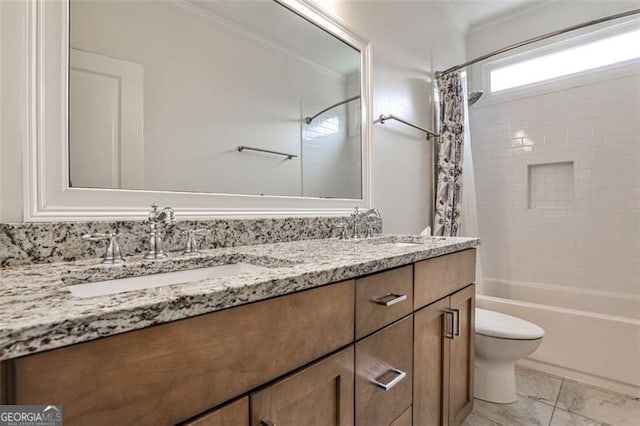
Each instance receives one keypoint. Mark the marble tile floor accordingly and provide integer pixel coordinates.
(548, 400)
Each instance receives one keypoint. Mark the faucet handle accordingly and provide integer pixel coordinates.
(113, 253)
(192, 247)
(342, 226)
(166, 216)
(170, 219)
(369, 230)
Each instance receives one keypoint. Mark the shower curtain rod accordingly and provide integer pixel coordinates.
(538, 38)
(308, 120)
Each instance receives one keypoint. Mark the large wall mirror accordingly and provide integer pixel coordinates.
(217, 107)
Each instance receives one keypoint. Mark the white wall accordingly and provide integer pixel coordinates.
(558, 176)
(407, 36)
(13, 104)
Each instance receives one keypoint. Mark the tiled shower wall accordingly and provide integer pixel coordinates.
(558, 186)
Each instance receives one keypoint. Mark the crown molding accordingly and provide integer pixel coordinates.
(453, 14)
(510, 14)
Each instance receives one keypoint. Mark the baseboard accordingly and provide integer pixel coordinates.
(579, 376)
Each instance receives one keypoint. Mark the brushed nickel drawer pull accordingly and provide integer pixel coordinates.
(267, 422)
(390, 299)
(457, 313)
(450, 333)
(386, 386)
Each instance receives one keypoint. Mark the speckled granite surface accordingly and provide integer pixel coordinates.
(37, 311)
(27, 243)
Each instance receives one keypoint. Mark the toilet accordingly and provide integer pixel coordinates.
(501, 340)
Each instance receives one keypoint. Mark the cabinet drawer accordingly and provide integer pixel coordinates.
(172, 372)
(381, 359)
(383, 298)
(235, 413)
(319, 395)
(441, 276)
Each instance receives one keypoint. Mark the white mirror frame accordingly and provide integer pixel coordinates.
(48, 196)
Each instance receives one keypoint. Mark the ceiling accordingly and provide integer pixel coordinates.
(281, 28)
(470, 13)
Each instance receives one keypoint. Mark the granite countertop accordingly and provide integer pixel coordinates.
(39, 313)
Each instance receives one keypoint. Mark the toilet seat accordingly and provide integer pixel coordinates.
(502, 326)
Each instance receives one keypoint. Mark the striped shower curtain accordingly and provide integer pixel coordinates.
(450, 152)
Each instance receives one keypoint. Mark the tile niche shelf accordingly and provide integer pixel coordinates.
(550, 185)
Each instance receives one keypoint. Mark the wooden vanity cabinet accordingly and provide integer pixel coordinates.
(443, 360)
(319, 395)
(394, 348)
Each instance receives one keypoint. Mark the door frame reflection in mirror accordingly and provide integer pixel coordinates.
(48, 195)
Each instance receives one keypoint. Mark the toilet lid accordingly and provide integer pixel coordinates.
(495, 324)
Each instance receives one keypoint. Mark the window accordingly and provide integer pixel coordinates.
(607, 51)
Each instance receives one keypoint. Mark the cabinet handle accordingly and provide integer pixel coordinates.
(386, 386)
(390, 299)
(457, 314)
(267, 422)
(450, 333)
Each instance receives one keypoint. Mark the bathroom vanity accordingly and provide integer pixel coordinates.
(305, 329)
(377, 331)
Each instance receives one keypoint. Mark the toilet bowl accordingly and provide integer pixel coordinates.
(501, 340)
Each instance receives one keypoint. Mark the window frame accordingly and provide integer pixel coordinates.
(615, 70)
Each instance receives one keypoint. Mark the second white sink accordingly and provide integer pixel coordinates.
(401, 244)
(102, 288)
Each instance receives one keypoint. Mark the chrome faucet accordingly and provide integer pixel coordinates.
(159, 220)
(355, 221)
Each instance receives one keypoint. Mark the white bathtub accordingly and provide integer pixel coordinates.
(591, 336)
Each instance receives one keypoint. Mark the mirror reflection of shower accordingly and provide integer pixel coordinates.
(475, 97)
(330, 145)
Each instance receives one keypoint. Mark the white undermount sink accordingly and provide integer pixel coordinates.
(121, 285)
(405, 241)
(401, 244)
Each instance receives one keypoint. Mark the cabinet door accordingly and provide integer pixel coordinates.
(431, 364)
(384, 364)
(235, 413)
(462, 355)
(319, 395)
